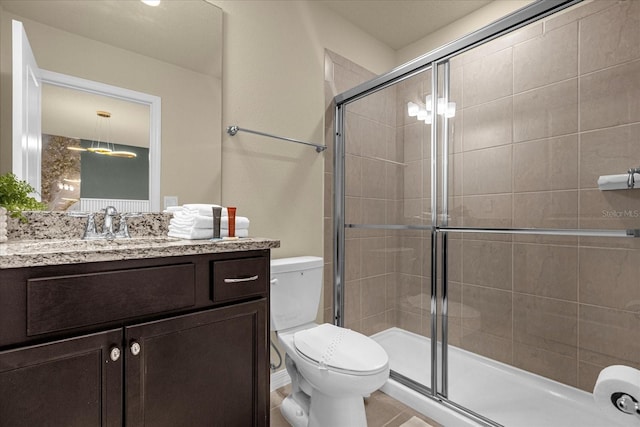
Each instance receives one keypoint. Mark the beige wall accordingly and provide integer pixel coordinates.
(474, 21)
(190, 103)
(273, 74)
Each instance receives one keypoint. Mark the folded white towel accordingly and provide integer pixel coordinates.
(241, 222)
(203, 233)
(617, 182)
(201, 221)
(239, 233)
(195, 221)
(203, 209)
(172, 209)
(192, 234)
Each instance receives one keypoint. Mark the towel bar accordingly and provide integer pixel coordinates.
(232, 130)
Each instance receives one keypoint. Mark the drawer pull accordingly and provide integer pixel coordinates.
(243, 279)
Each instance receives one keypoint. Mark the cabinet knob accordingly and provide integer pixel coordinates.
(135, 348)
(114, 354)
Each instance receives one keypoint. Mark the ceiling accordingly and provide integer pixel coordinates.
(398, 23)
(160, 32)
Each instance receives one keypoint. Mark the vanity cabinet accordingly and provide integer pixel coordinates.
(69, 382)
(175, 341)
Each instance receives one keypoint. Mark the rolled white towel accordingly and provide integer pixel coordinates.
(617, 182)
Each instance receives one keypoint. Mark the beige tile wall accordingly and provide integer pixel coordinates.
(533, 144)
(542, 112)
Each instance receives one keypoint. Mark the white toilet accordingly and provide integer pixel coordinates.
(331, 368)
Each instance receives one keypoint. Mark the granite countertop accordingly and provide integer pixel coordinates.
(31, 253)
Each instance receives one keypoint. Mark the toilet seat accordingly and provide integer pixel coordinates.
(341, 350)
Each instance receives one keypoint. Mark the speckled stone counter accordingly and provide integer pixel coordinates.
(53, 238)
(31, 253)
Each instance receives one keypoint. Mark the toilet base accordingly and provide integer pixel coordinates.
(336, 411)
(296, 413)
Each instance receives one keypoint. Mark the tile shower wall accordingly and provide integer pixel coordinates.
(374, 195)
(543, 112)
(386, 278)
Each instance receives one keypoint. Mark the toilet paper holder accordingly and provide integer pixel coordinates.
(625, 403)
(631, 180)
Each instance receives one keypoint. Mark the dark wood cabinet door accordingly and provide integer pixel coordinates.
(65, 383)
(200, 370)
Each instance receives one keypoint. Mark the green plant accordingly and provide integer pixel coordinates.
(14, 196)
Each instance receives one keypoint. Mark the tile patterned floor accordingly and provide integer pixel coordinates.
(382, 411)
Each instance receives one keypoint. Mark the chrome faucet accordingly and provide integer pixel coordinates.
(91, 231)
(107, 225)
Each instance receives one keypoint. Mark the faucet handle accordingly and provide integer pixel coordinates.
(123, 229)
(90, 231)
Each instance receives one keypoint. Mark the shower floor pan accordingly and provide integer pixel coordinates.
(505, 394)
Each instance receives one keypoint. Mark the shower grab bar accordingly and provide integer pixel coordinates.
(232, 130)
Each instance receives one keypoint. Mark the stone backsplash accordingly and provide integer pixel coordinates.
(60, 225)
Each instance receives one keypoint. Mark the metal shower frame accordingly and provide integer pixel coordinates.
(432, 60)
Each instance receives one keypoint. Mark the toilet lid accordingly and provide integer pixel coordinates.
(340, 348)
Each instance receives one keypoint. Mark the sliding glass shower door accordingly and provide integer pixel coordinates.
(533, 266)
(388, 222)
(476, 240)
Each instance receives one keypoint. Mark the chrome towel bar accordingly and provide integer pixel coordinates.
(232, 130)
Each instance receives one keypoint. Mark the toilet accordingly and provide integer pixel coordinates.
(331, 368)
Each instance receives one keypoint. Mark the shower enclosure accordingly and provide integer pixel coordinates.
(471, 238)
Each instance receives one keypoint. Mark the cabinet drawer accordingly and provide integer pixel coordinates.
(65, 302)
(235, 279)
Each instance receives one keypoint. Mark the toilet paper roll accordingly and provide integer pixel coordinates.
(612, 381)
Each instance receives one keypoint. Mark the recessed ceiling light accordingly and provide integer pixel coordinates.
(151, 2)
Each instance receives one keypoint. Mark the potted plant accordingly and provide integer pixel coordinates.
(15, 198)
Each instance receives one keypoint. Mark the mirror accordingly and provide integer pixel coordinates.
(172, 52)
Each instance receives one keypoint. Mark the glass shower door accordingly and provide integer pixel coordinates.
(541, 277)
(388, 223)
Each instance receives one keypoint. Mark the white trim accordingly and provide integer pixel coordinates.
(279, 379)
(155, 122)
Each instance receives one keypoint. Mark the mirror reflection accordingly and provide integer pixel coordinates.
(95, 148)
(172, 51)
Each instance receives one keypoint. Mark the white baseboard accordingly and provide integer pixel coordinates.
(279, 379)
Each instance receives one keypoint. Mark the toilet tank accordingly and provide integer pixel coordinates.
(296, 284)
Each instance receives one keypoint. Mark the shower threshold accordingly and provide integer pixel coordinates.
(507, 395)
